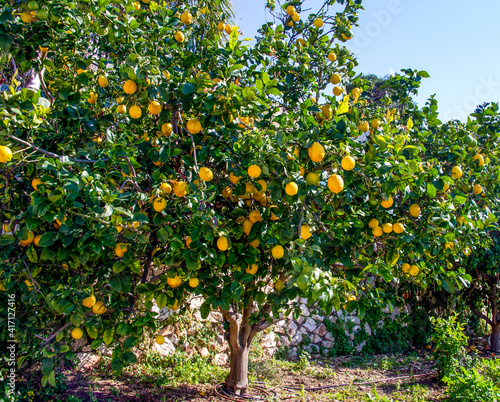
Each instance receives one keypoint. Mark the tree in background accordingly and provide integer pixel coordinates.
(160, 161)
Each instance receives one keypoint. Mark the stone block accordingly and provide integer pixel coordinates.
(221, 359)
(88, 361)
(327, 344)
(310, 325)
(165, 349)
(315, 339)
(321, 330)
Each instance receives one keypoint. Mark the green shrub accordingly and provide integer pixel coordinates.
(471, 386)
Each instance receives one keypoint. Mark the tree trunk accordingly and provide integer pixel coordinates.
(237, 380)
(495, 338)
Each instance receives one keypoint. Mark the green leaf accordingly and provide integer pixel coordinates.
(32, 254)
(188, 88)
(92, 332)
(108, 336)
(96, 343)
(302, 282)
(431, 190)
(117, 365)
(448, 284)
(6, 239)
(47, 366)
(205, 310)
(129, 357)
(52, 378)
(123, 328)
(233, 37)
(48, 239)
(161, 301)
(116, 284)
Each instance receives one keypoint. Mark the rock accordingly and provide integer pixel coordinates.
(327, 344)
(304, 311)
(310, 325)
(315, 339)
(279, 329)
(300, 320)
(105, 350)
(303, 300)
(395, 313)
(196, 303)
(220, 339)
(329, 337)
(220, 359)
(215, 316)
(360, 346)
(368, 330)
(168, 330)
(86, 349)
(321, 330)
(79, 344)
(204, 352)
(292, 326)
(165, 349)
(316, 356)
(317, 318)
(285, 341)
(292, 353)
(174, 339)
(268, 340)
(88, 361)
(297, 338)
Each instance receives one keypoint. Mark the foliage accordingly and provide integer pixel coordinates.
(343, 345)
(95, 184)
(471, 386)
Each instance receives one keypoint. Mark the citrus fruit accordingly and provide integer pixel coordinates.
(247, 226)
(179, 36)
(312, 178)
(398, 228)
(335, 183)
(122, 109)
(166, 188)
(414, 270)
(316, 152)
(130, 87)
(456, 172)
(166, 129)
(154, 108)
(254, 171)
(174, 282)
(234, 179)
(377, 231)
(387, 228)
(332, 56)
(194, 282)
(375, 123)
(373, 223)
(180, 188)
(337, 91)
(89, 301)
(26, 17)
(77, 333)
(326, 112)
(160, 339)
(478, 189)
(252, 269)
(305, 232)
(292, 188)
(335, 78)
(188, 242)
(159, 204)
(348, 163)
(187, 18)
(35, 182)
(228, 29)
(222, 243)
(355, 92)
(478, 158)
(206, 174)
(415, 210)
(279, 285)
(387, 203)
(290, 10)
(296, 17)
(364, 126)
(99, 308)
(5, 154)
(318, 23)
(102, 81)
(29, 240)
(221, 26)
(446, 186)
(254, 243)
(36, 240)
(278, 252)
(255, 216)
(405, 268)
(135, 112)
(193, 126)
(121, 249)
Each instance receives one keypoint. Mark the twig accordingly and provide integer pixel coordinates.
(47, 340)
(135, 185)
(32, 280)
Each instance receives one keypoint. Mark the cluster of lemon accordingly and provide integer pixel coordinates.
(377, 231)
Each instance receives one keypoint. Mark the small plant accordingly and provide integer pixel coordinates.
(471, 386)
(450, 343)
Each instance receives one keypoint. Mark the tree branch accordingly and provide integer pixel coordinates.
(481, 315)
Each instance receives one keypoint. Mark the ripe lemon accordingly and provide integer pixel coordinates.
(228, 29)
(77, 333)
(263, 185)
(326, 112)
(221, 26)
(335, 183)
(456, 172)
(290, 10)
(222, 243)
(160, 339)
(478, 189)
(166, 129)
(273, 217)
(332, 56)
(130, 87)
(305, 232)
(122, 109)
(312, 178)
(387, 203)
(479, 158)
(99, 308)
(254, 243)
(337, 91)
(43, 49)
(278, 252)
(92, 98)
(103, 81)
(180, 188)
(318, 23)
(398, 228)
(29, 240)
(296, 17)
(166, 188)
(234, 179)
(335, 78)
(414, 270)
(355, 92)
(227, 192)
(446, 186)
(387, 228)
(255, 216)
(252, 269)
(188, 242)
(364, 126)
(449, 245)
(405, 268)
(89, 301)
(279, 285)
(254, 171)
(247, 226)
(159, 204)
(187, 18)
(174, 282)
(5, 154)
(373, 223)
(35, 182)
(154, 108)
(121, 249)
(375, 123)
(316, 152)
(292, 188)
(415, 210)
(135, 112)
(179, 36)
(26, 17)
(348, 163)
(36, 240)
(377, 231)
(193, 126)
(206, 174)
(194, 282)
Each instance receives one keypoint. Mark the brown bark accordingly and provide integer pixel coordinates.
(495, 338)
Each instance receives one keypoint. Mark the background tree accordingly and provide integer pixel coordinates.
(158, 165)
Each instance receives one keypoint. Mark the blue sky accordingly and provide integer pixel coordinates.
(455, 41)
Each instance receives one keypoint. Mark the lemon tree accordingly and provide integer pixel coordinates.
(162, 160)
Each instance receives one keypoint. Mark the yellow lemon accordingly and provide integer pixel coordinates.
(222, 243)
(187, 18)
(99, 308)
(160, 339)
(121, 249)
(37, 239)
(35, 182)
(373, 223)
(375, 123)
(292, 188)
(364, 126)
(387, 228)
(122, 109)
(159, 204)
(255, 216)
(387, 203)
(355, 92)
(296, 17)
(446, 186)
(234, 179)
(180, 189)
(398, 228)
(166, 129)
(305, 232)
(415, 210)
(478, 189)
(279, 285)
(290, 10)
(335, 78)
(206, 174)
(405, 268)
(316, 152)
(326, 112)
(154, 108)
(103, 81)
(29, 240)
(479, 158)
(414, 270)
(456, 172)
(194, 282)
(193, 126)
(254, 243)
(174, 282)
(377, 231)
(348, 163)
(247, 226)
(337, 91)
(318, 23)
(166, 188)
(135, 112)
(252, 269)
(130, 87)
(89, 301)
(254, 171)
(179, 36)
(221, 26)
(332, 56)
(335, 183)
(5, 154)
(312, 178)
(278, 252)
(77, 333)
(188, 242)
